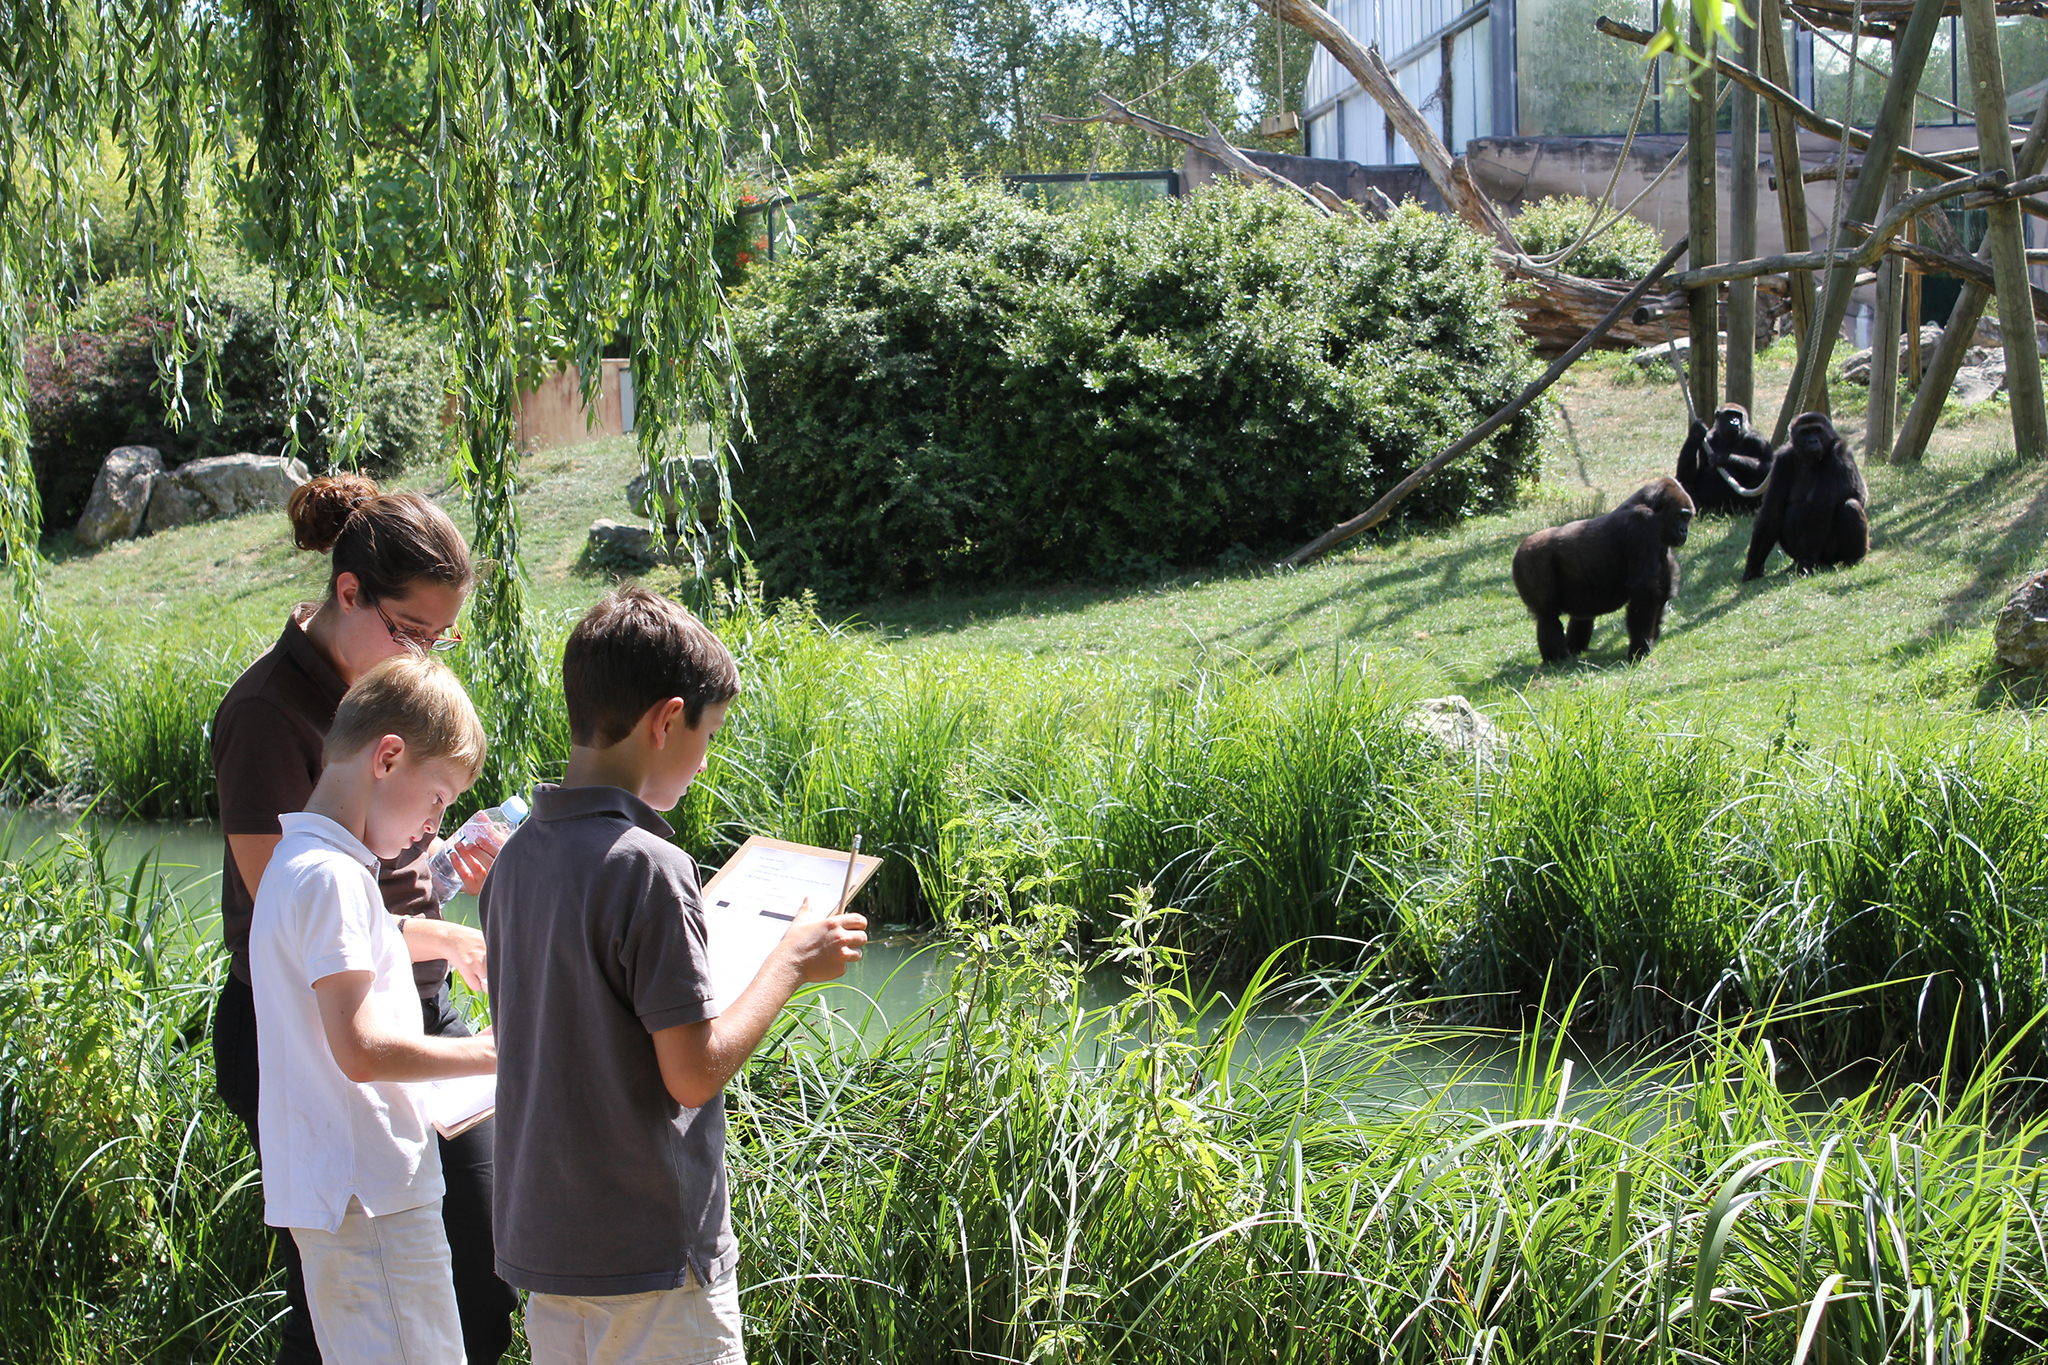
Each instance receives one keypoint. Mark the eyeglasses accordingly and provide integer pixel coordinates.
(440, 644)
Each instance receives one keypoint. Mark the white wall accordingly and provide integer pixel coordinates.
(1345, 125)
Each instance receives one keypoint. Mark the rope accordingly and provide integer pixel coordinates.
(1606, 200)
(1630, 207)
(1210, 55)
(1871, 66)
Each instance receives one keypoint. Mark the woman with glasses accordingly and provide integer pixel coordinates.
(398, 574)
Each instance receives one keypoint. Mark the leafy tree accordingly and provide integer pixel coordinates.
(569, 164)
(963, 86)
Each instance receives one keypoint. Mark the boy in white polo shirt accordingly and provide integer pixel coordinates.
(350, 1164)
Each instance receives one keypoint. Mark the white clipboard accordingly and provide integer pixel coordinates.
(750, 903)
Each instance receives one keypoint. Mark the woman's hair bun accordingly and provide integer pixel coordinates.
(321, 508)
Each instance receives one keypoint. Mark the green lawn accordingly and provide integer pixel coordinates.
(1906, 630)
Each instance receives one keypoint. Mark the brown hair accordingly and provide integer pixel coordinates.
(389, 541)
(419, 700)
(636, 648)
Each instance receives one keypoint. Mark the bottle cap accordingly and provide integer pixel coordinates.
(515, 808)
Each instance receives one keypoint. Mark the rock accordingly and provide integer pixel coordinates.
(616, 545)
(684, 481)
(120, 495)
(1856, 369)
(2021, 632)
(1977, 383)
(1988, 331)
(222, 486)
(1679, 352)
(1463, 731)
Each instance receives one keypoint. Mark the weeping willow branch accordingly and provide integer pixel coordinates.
(577, 155)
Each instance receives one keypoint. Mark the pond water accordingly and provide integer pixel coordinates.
(898, 976)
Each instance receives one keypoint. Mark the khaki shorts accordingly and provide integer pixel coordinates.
(381, 1289)
(694, 1325)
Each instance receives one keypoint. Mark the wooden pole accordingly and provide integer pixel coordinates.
(2007, 237)
(1778, 95)
(1881, 416)
(1961, 328)
(1377, 513)
(1785, 162)
(1915, 282)
(1702, 229)
(1742, 232)
(1810, 377)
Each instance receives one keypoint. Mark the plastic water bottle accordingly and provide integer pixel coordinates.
(486, 829)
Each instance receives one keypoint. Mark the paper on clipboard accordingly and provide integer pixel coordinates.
(751, 902)
(456, 1104)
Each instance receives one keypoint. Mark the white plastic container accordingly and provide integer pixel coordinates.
(487, 829)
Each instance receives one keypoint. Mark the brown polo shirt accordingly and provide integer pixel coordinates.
(268, 739)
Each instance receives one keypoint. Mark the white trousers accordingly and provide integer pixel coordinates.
(382, 1290)
(694, 1325)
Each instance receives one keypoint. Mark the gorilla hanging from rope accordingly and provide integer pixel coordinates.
(1723, 467)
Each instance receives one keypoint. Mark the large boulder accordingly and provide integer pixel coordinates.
(620, 547)
(222, 486)
(2021, 633)
(687, 485)
(120, 495)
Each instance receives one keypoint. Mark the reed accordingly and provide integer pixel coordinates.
(130, 1228)
(1008, 1174)
(143, 731)
(1668, 874)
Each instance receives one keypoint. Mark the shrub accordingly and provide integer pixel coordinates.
(954, 387)
(92, 389)
(1624, 251)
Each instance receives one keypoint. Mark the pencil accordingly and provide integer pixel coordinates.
(847, 885)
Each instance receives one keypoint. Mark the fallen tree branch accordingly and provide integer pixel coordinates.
(1377, 513)
(1445, 171)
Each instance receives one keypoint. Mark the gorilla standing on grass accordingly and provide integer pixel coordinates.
(1723, 467)
(1816, 504)
(1588, 568)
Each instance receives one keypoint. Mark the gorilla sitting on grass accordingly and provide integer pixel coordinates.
(1588, 568)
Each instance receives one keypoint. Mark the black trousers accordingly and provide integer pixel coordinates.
(485, 1302)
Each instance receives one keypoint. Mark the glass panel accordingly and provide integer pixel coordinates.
(1945, 79)
(2023, 49)
(1573, 81)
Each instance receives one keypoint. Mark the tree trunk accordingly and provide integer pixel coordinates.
(1810, 378)
(2007, 237)
(1742, 233)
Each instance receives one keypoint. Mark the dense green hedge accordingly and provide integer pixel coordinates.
(95, 387)
(955, 387)
(1625, 250)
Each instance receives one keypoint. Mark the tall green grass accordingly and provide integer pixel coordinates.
(1007, 1174)
(1668, 875)
(130, 1228)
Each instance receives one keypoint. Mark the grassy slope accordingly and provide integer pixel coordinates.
(1905, 630)
(229, 583)
(1907, 627)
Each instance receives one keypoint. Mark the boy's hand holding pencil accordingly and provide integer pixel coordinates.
(823, 943)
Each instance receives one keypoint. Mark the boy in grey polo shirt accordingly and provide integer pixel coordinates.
(611, 1206)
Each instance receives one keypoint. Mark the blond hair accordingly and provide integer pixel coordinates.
(419, 700)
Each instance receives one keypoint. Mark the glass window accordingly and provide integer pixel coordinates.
(1574, 81)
